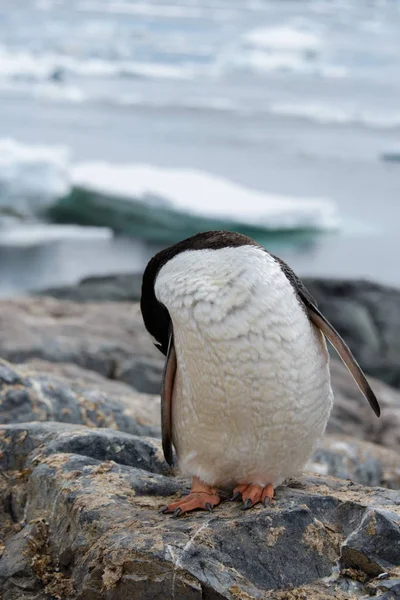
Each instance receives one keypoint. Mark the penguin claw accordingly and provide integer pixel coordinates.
(163, 510)
(253, 493)
(247, 504)
(177, 512)
(209, 507)
(235, 496)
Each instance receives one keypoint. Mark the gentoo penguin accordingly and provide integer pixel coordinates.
(246, 391)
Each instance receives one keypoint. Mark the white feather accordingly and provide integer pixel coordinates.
(252, 393)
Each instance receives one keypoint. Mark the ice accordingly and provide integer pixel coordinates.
(32, 176)
(33, 234)
(205, 195)
(283, 38)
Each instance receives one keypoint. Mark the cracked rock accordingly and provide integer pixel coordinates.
(104, 536)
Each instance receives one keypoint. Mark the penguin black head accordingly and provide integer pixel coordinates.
(155, 315)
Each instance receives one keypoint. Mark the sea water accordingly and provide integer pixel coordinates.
(292, 103)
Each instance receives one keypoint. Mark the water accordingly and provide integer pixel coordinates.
(293, 98)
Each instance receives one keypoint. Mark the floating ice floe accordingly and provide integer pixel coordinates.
(204, 196)
(392, 156)
(285, 48)
(28, 234)
(284, 38)
(31, 177)
(142, 201)
(50, 66)
(335, 114)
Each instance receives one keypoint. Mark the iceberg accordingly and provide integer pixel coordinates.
(152, 203)
(37, 234)
(31, 176)
(203, 196)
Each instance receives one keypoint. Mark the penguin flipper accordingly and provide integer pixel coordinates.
(167, 388)
(345, 354)
(331, 334)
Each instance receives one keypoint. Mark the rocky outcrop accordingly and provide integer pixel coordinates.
(66, 393)
(72, 395)
(124, 287)
(352, 416)
(80, 490)
(362, 462)
(366, 314)
(81, 521)
(107, 338)
(110, 338)
(82, 475)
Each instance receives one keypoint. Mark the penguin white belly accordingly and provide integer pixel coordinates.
(252, 392)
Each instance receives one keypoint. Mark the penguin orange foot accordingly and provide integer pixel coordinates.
(253, 494)
(201, 496)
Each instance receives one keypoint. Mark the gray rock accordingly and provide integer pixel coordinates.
(66, 393)
(359, 461)
(124, 287)
(367, 315)
(104, 537)
(36, 392)
(374, 547)
(142, 373)
(386, 585)
(108, 337)
(18, 577)
(32, 440)
(352, 416)
(43, 391)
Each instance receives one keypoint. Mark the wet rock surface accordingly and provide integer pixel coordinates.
(91, 528)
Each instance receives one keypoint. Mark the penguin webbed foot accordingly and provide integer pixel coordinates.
(201, 496)
(252, 494)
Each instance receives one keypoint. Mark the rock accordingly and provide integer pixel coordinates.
(367, 316)
(110, 338)
(124, 287)
(386, 585)
(362, 462)
(95, 530)
(105, 337)
(26, 442)
(352, 416)
(18, 579)
(142, 373)
(45, 392)
(374, 547)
